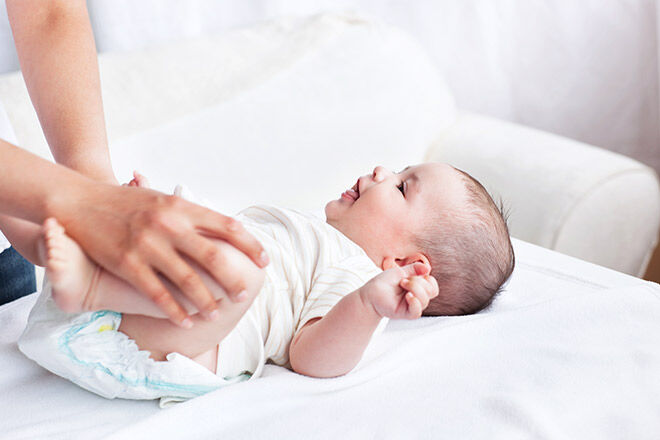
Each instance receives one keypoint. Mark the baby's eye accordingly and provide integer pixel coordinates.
(400, 188)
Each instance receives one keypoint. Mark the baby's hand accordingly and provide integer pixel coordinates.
(138, 180)
(400, 292)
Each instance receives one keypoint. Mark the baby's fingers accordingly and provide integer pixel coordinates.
(414, 306)
(419, 287)
(433, 286)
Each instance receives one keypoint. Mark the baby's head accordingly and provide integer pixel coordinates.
(435, 214)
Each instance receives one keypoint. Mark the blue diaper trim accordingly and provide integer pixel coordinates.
(65, 339)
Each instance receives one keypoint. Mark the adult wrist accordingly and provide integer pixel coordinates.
(63, 199)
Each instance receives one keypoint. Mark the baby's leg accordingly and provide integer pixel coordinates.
(81, 285)
(78, 282)
(160, 336)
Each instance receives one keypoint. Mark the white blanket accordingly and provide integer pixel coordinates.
(570, 350)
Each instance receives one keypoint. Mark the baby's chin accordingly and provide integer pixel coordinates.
(333, 212)
(329, 211)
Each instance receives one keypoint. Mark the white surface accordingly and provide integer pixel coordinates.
(570, 350)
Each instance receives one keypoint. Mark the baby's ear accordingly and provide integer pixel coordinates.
(388, 263)
(417, 257)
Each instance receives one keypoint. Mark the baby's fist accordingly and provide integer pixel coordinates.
(400, 292)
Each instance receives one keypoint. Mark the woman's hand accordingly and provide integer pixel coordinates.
(137, 233)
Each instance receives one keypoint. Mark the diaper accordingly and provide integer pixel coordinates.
(87, 349)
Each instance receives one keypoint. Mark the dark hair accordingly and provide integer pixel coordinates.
(470, 253)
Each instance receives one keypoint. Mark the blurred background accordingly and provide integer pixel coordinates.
(586, 70)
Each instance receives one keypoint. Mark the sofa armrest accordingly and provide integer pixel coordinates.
(563, 195)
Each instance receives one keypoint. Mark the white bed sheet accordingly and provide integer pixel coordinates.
(570, 350)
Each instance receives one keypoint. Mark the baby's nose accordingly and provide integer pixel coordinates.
(379, 173)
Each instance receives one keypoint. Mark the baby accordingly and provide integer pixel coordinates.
(427, 240)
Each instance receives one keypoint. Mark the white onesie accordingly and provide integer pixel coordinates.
(312, 267)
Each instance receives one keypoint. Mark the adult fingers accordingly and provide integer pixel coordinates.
(214, 260)
(232, 231)
(145, 280)
(182, 275)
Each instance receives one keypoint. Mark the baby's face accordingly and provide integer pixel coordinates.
(384, 210)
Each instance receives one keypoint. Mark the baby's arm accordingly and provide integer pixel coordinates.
(332, 345)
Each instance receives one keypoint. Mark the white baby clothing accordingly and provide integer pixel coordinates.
(312, 266)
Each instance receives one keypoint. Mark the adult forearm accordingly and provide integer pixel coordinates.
(333, 345)
(33, 188)
(57, 53)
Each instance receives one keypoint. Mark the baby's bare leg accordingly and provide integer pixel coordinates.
(80, 285)
(160, 336)
(71, 274)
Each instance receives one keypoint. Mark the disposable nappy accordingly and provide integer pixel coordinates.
(87, 349)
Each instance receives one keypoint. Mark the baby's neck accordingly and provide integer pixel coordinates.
(371, 255)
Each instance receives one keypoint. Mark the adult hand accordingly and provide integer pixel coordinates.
(137, 233)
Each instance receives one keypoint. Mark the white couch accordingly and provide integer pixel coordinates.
(290, 113)
(336, 95)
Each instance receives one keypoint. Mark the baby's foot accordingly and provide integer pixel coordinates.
(72, 274)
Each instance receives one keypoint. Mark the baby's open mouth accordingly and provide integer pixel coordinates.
(353, 193)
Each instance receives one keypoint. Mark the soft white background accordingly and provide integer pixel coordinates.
(585, 69)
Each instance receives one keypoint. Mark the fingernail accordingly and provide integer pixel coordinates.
(263, 257)
(242, 296)
(187, 323)
(214, 315)
(405, 281)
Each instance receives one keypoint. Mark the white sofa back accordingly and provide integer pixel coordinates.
(289, 112)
